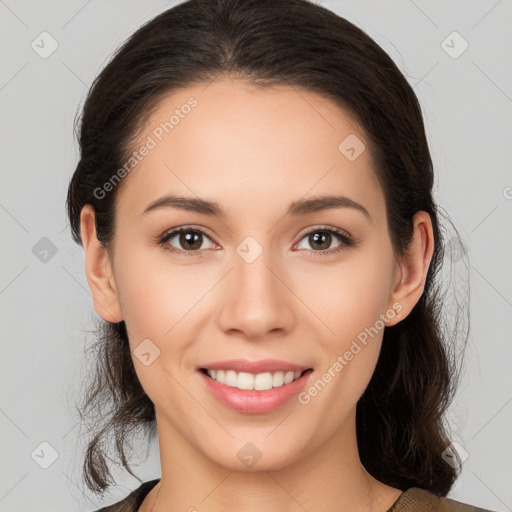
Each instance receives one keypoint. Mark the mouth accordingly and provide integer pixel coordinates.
(254, 393)
(257, 382)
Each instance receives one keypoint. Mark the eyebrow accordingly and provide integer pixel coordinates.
(296, 208)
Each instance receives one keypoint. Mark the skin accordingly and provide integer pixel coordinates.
(254, 150)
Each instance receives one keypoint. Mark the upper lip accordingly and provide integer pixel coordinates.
(255, 367)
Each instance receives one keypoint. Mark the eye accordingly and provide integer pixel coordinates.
(190, 239)
(320, 240)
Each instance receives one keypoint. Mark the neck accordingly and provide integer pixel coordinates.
(328, 477)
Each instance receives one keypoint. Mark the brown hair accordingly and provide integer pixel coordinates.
(401, 431)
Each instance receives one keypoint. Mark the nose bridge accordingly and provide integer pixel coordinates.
(255, 276)
(256, 301)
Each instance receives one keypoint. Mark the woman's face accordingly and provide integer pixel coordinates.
(247, 280)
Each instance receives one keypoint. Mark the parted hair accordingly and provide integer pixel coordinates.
(402, 433)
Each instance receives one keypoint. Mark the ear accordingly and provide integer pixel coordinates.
(412, 268)
(98, 269)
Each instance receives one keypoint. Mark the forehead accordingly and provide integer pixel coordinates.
(258, 145)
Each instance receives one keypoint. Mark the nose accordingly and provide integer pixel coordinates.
(256, 301)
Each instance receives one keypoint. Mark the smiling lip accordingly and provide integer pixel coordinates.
(253, 401)
(255, 367)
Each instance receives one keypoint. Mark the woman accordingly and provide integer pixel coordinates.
(254, 200)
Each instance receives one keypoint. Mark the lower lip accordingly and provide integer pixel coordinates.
(254, 402)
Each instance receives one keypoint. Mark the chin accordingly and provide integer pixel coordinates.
(251, 457)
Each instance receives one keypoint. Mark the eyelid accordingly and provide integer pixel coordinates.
(187, 227)
(323, 227)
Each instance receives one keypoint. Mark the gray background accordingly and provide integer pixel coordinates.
(46, 307)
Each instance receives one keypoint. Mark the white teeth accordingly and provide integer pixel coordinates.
(277, 379)
(258, 382)
(245, 381)
(231, 379)
(262, 381)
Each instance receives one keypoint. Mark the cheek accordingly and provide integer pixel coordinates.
(349, 300)
(162, 302)
(348, 297)
(154, 292)
(157, 305)
(351, 304)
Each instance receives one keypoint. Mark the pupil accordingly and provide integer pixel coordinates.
(320, 239)
(188, 239)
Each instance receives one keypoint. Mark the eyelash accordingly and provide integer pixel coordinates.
(346, 241)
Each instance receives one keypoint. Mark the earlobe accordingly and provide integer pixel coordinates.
(98, 269)
(413, 267)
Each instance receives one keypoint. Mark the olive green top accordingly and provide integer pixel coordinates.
(411, 500)
(419, 500)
